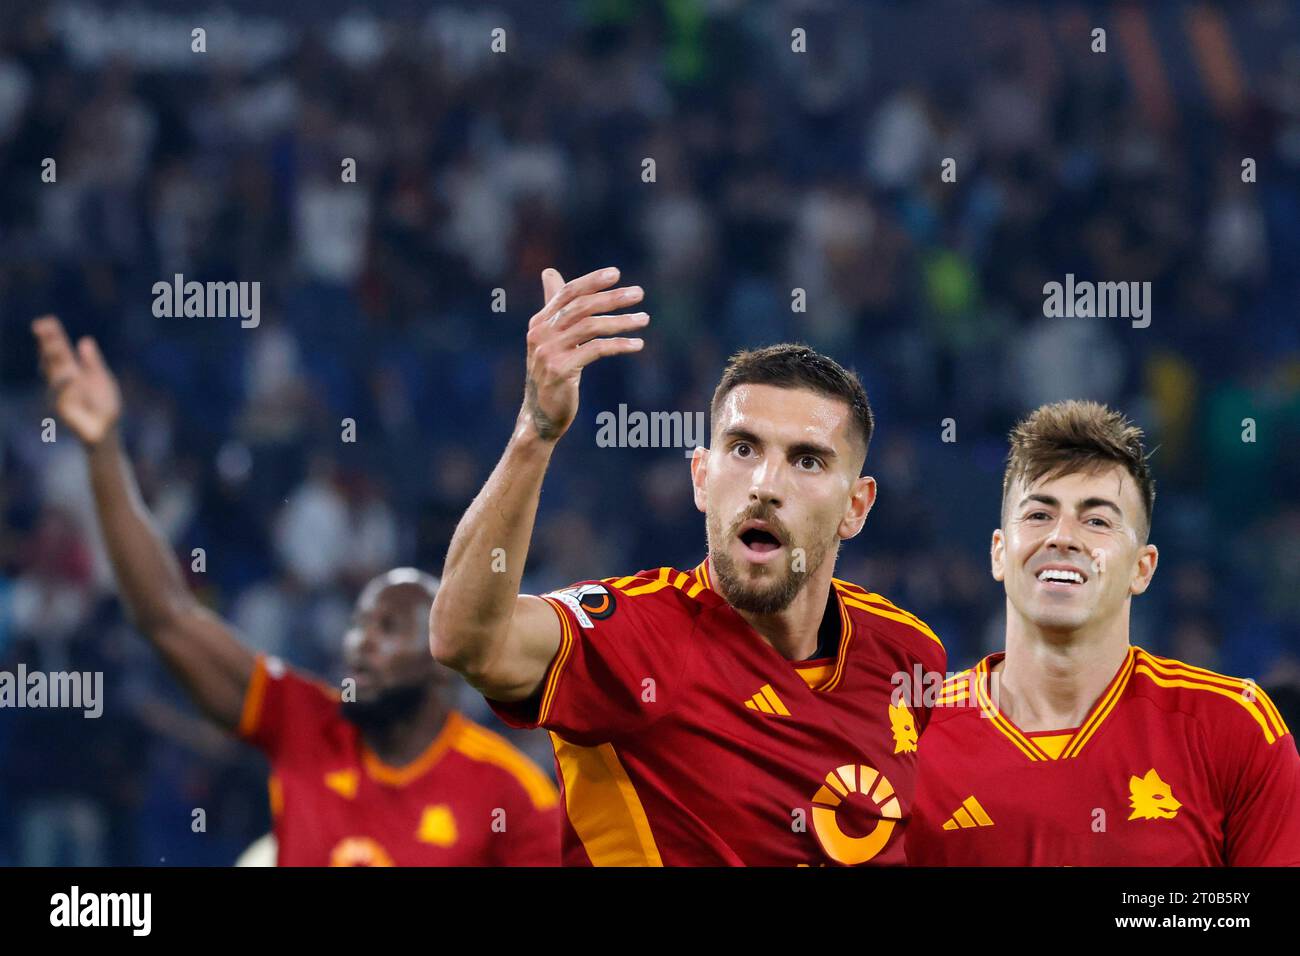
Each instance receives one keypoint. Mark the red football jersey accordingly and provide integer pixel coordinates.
(471, 799)
(683, 738)
(1174, 766)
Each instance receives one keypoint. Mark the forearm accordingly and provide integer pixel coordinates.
(485, 560)
(147, 572)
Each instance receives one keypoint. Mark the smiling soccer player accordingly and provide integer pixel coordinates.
(735, 713)
(1074, 747)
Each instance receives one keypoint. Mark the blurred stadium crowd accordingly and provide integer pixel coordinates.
(774, 171)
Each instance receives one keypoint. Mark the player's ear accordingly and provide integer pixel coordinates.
(699, 470)
(860, 502)
(1148, 558)
(998, 555)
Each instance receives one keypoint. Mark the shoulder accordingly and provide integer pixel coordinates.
(1225, 707)
(892, 623)
(274, 683)
(659, 592)
(292, 716)
(957, 697)
(491, 751)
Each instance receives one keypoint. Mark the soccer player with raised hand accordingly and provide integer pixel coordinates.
(391, 775)
(740, 712)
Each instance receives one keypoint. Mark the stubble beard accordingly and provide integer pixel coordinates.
(777, 587)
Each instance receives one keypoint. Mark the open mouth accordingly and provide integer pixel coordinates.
(1063, 578)
(759, 539)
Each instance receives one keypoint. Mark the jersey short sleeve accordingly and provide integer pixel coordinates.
(618, 668)
(281, 705)
(1263, 797)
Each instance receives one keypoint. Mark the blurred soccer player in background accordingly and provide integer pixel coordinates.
(388, 776)
(736, 713)
(1074, 747)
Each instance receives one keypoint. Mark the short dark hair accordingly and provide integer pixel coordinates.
(792, 365)
(1074, 436)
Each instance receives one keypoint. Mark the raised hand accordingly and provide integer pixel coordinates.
(82, 389)
(566, 336)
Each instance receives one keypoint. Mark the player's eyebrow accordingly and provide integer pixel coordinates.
(1041, 499)
(1084, 505)
(1087, 503)
(812, 448)
(798, 448)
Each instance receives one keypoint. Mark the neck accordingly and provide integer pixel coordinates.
(1049, 679)
(403, 740)
(792, 633)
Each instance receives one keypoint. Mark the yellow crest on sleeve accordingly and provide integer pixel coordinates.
(903, 727)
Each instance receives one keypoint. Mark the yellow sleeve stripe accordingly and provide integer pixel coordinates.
(683, 581)
(902, 617)
(480, 744)
(1250, 707)
(561, 658)
(1171, 667)
(658, 584)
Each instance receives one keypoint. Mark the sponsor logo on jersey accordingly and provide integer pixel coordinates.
(359, 851)
(854, 791)
(969, 814)
(766, 701)
(588, 602)
(342, 782)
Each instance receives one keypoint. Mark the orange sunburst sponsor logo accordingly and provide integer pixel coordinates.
(845, 786)
(359, 851)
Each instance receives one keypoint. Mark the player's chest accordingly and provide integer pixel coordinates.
(1138, 802)
(808, 775)
(341, 816)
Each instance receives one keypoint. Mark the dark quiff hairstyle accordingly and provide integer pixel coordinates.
(792, 365)
(1068, 437)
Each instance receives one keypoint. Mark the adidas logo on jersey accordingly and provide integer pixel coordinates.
(767, 702)
(969, 815)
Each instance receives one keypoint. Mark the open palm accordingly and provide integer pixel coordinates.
(82, 389)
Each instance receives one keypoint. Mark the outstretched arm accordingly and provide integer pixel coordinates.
(480, 625)
(196, 645)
